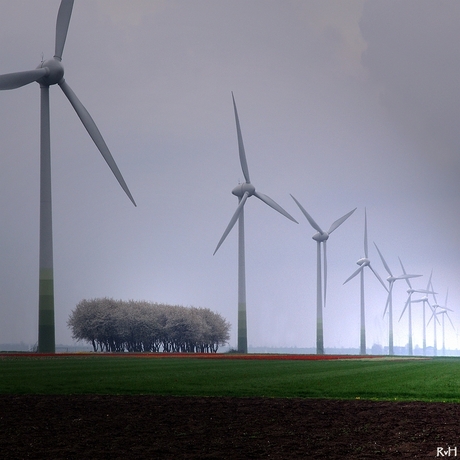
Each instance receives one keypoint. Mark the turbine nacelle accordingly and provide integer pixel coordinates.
(241, 189)
(55, 72)
(363, 262)
(320, 237)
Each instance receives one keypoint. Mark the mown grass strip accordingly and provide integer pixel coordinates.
(402, 380)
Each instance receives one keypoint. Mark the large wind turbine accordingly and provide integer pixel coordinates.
(408, 306)
(389, 305)
(49, 73)
(321, 237)
(243, 192)
(364, 262)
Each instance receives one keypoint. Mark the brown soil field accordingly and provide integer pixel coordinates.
(165, 427)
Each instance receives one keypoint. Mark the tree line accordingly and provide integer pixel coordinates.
(139, 326)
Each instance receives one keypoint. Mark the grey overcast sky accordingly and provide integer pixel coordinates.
(343, 104)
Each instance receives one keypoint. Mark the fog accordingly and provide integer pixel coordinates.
(342, 105)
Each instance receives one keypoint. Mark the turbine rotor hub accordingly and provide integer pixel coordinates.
(320, 237)
(364, 261)
(55, 72)
(241, 189)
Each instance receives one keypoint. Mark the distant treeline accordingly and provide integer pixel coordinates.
(138, 326)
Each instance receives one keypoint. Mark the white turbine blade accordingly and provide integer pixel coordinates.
(340, 221)
(378, 277)
(267, 200)
(309, 218)
(417, 300)
(431, 317)
(406, 276)
(325, 271)
(434, 293)
(62, 26)
(366, 247)
(429, 281)
(448, 317)
(388, 303)
(354, 274)
(17, 79)
(387, 268)
(447, 295)
(424, 291)
(233, 220)
(93, 131)
(243, 161)
(404, 271)
(405, 306)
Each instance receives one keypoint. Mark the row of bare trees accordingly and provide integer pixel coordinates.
(139, 326)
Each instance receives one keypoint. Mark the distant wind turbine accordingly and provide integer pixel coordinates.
(364, 262)
(389, 305)
(49, 73)
(408, 305)
(321, 237)
(423, 300)
(440, 310)
(243, 192)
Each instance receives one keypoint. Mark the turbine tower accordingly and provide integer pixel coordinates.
(364, 262)
(321, 237)
(389, 305)
(243, 192)
(408, 303)
(48, 73)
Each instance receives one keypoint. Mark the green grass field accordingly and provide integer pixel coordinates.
(435, 379)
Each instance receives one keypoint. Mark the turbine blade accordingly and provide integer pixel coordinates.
(448, 317)
(378, 277)
(405, 306)
(406, 276)
(309, 218)
(340, 221)
(431, 317)
(388, 303)
(387, 268)
(96, 136)
(447, 295)
(232, 220)
(17, 79)
(243, 161)
(267, 200)
(434, 293)
(366, 247)
(404, 271)
(429, 281)
(325, 271)
(62, 26)
(424, 291)
(354, 274)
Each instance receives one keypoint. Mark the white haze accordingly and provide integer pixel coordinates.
(343, 104)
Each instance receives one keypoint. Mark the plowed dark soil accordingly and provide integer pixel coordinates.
(156, 427)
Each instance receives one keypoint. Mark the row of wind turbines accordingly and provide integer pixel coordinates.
(51, 72)
(245, 190)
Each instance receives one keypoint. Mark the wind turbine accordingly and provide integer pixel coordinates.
(389, 305)
(321, 237)
(49, 73)
(440, 310)
(408, 303)
(364, 262)
(243, 192)
(424, 300)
